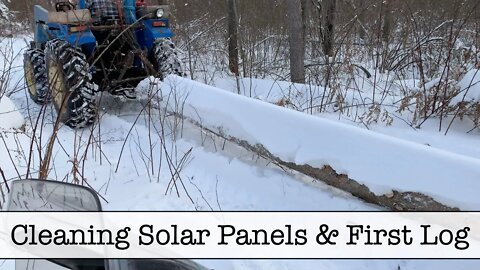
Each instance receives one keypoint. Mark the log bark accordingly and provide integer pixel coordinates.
(394, 201)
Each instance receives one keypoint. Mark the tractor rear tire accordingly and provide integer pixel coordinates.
(71, 88)
(166, 56)
(36, 76)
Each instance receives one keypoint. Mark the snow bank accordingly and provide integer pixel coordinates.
(10, 117)
(470, 87)
(381, 162)
(265, 89)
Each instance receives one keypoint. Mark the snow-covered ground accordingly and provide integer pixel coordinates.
(127, 162)
(10, 117)
(457, 140)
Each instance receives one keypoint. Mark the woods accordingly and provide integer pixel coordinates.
(337, 45)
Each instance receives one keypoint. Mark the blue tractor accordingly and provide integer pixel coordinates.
(88, 46)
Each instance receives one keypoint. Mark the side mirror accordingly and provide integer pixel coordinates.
(41, 195)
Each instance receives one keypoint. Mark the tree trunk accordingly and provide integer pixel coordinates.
(296, 40)
(304, 9)
(361, 18)
(233, 37)
(329, 26)
(387, 20)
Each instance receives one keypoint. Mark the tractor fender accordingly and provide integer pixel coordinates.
(149, 34)
(40, 29)
(85, 39)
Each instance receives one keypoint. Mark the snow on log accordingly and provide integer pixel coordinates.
(384, 164)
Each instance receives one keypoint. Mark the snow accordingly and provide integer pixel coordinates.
(10, 118)
(457, 140)
(215, 179)
(470, 87)
(362, 154)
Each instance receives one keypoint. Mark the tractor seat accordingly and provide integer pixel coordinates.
(64, 6)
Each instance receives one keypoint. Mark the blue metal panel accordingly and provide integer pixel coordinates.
(147, 36)
(56, 30)
(85, 40)
(40, 13)
(82, 4)
(41, 17)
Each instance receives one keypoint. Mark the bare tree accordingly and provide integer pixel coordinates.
(387, 20)
(329, 9)
(233, 37)
(297, 40)
(361, 18)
